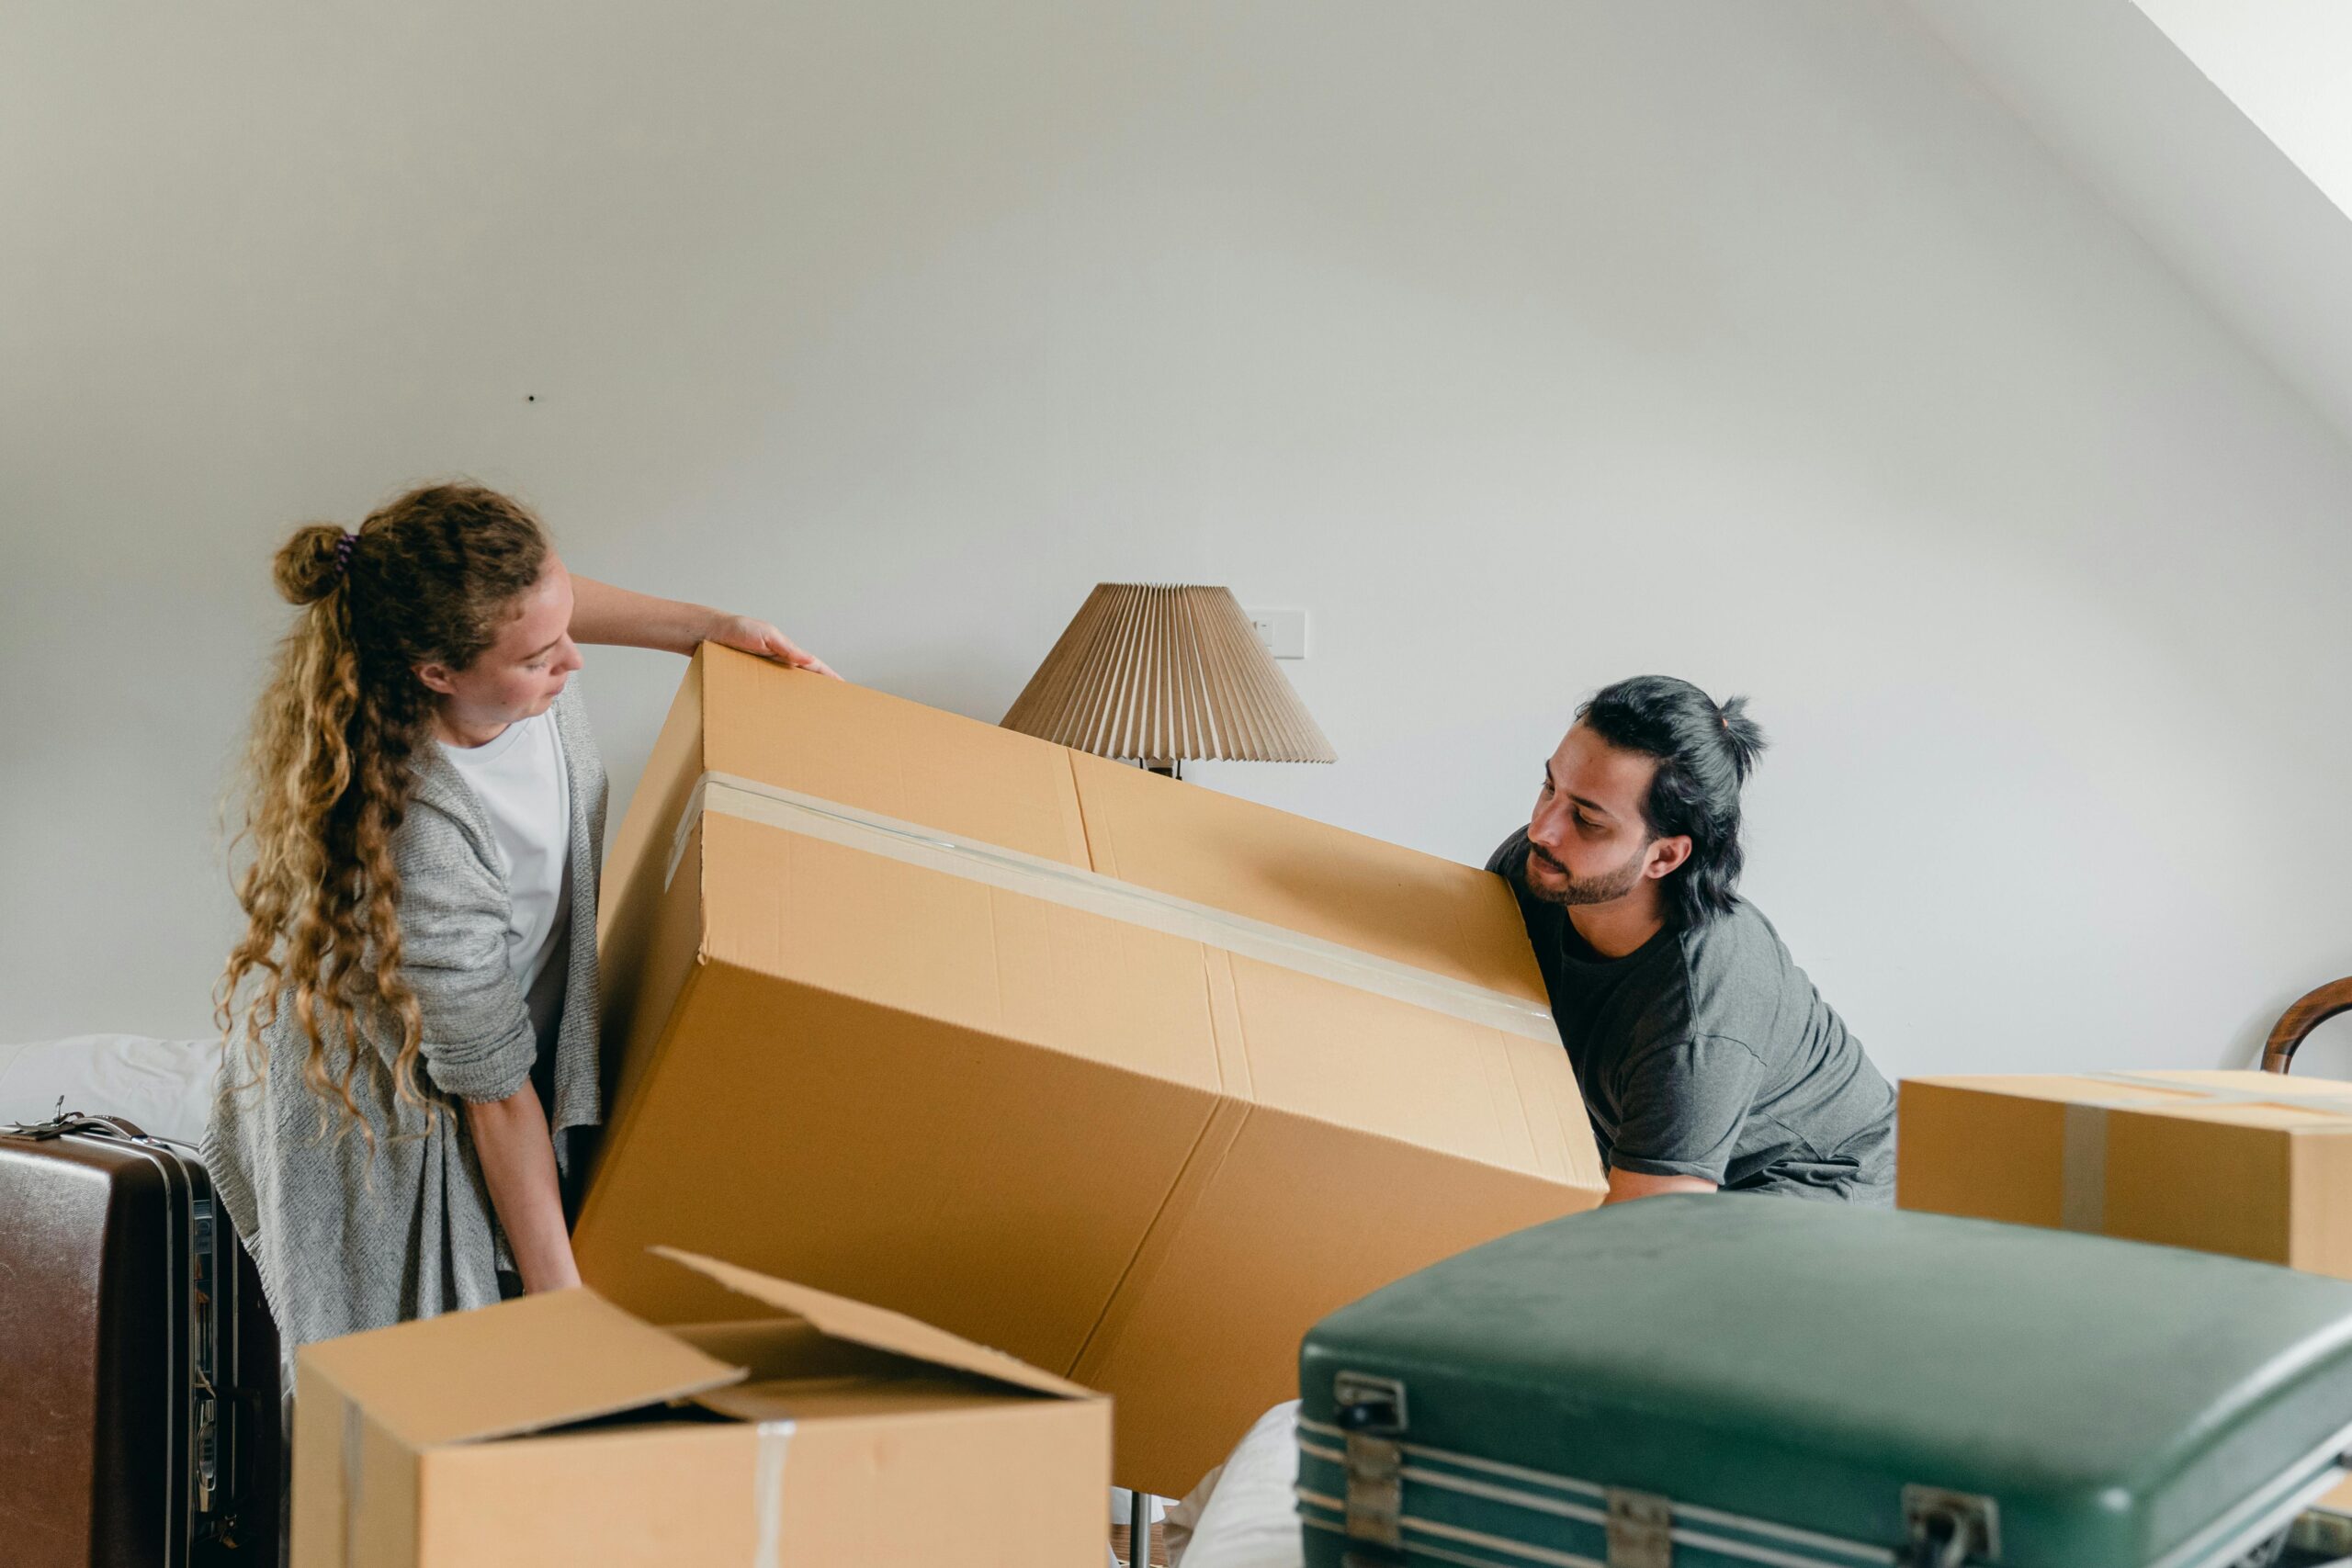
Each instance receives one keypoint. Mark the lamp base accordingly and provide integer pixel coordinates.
(1172, 768)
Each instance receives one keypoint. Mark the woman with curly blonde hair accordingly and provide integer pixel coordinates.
(416, 990)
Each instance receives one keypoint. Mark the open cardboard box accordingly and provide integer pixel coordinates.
(1129, 1077)
(559, 1429)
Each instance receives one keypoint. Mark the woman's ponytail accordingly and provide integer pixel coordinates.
(328, 776)
(312, 564)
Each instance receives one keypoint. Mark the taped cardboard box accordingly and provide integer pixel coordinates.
(2255, 1165)
(1130, 1078)
(542, 1431)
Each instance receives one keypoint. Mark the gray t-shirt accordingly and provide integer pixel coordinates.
(1706, 1052)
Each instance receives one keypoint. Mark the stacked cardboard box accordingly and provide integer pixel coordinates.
(559, 1429)
(1129, 1078)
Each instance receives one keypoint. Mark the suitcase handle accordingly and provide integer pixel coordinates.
(1941, 1550)
(2297, 1022)
(67, 1123)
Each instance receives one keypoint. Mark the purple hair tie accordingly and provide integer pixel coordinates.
(342, 553)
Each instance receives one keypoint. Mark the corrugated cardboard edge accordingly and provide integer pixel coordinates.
(626, 1103)
(838, 1317)
(628, 919)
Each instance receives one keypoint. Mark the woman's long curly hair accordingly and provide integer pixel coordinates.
(429, 578)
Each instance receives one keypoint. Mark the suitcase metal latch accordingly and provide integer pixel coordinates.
(1371, 1410)
(1641, 1529)
(1950, 1528)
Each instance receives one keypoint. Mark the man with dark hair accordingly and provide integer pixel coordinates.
(1706, 1057)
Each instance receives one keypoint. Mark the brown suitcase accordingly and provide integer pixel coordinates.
(139, 1386)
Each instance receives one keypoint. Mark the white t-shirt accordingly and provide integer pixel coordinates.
(523, 784)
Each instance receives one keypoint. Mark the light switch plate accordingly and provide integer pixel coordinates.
(1282, 632)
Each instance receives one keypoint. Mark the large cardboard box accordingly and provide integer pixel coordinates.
(2255, 1165)
(1131, 1080)
(539, 1433)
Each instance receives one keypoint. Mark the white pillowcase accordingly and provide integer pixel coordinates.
(1249, 1517)
(164, 1086)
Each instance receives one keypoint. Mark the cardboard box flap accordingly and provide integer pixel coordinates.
(838, 1317)
(521, 1366)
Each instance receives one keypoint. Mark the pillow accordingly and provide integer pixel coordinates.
(1250, 1517)
(164, 1086)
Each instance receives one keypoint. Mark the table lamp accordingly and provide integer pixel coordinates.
(1158, 672)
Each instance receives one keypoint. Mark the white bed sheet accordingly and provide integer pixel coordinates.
(1245, 1513)
(164, 1086)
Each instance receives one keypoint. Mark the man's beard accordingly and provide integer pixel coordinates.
(1599, 889)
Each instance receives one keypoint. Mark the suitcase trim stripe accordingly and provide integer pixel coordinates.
(1598, 1496)
(2245, 1528)
(1520, 1553)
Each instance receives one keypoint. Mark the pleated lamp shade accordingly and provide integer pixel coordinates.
(1159, 673)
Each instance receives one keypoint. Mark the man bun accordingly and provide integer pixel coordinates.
(1746, 736)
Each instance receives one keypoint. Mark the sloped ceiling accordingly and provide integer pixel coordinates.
(2287, 64)
(2120, 100)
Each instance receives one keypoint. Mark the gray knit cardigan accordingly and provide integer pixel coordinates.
(347, 1239)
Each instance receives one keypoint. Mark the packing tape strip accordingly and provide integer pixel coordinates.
(2337, 1101)
(2082, 1195)
(1079, 888)
(776, 1441)
(2082, 1191)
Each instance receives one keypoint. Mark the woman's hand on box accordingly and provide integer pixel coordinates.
(760, 637)
(622, 617)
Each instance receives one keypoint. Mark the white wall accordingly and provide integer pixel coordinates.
(1527, 345)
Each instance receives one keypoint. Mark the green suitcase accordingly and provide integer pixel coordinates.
(1729, 1381)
